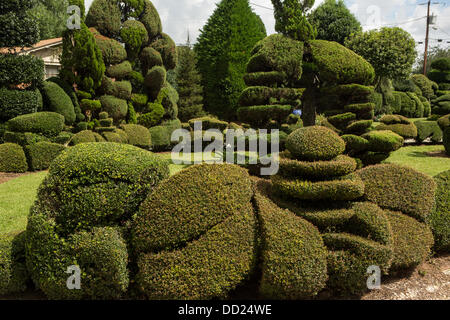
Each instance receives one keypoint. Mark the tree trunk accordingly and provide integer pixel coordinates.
(309, 107)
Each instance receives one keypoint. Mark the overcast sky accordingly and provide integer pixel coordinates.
(179, 16)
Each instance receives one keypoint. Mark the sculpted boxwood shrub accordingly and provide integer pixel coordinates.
(56, 100)
(13, 271)
(41, 154)
(14, 103)
(428, 129)
(119, 71)
(116, 108)
(23, 138)
(440, 218)
(138, 135)
(45, 123)
(86, 136)
(399, 188)
(12, 158)
(112, 51)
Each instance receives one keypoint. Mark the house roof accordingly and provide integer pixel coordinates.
(40, 45)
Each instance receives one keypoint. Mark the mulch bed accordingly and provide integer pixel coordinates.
(4, 177)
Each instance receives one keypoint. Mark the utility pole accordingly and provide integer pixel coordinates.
(425, 58)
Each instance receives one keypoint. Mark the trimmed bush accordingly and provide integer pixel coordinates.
(119, 71)
(116, 108)
(446, 139)
(150, 58)
(14, 103)
(153, 117)
(359, 127)
(439, 76)
(134, 35)
(355, 143)
(112, 51)
(271, 78)
(86, 136)
(160, 138)
(253, 96)
(151, 20)
(155, 79)
(315, 143)
(261, 115)
(23, 139)
(105, 16)
(169, 98)
(442, 64)
(383, 141)
(428, 129)
(112, 137)
(138, 136)
(439, 220)
(425, 85)
(90, 105)
(407, 131)
(45, 123)
(19, 69)
(218, 235)
(317, 170)
(168, 50)
(13, 272)
(399, 188)
(56, 100)
(40, 155)
(412, 241)
(154, 230)
(12, 158)
(343, 188)
(294, 262)
(209, 123)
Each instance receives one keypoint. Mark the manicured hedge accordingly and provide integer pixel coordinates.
(261, 115)
(18, 69)
(56, 100)
(254, 96)
(196, 209)
(13, 272)
(112, 51)
(383, 141)
(116, 108)
(12, 158)
(270, 78)
(138, 135)
(404, 130)
(168, 50)
(340, 166)
(343, 188)
(412, 241)
(45, 123)
(440, 218)
(119, 71)
(209, 123)
(399, 188)
(315, 143)
(294, 262)
(428, 129)
(14, 103)
(40, 155)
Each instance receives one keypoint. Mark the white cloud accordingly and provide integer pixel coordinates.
(179, 16)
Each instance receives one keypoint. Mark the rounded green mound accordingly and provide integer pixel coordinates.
(315, 143)
(440, 218)
(205, 196)
(399, 188)
(383, 141)
(342, 188)
(41, 154)
(340, 166)
(45, 123)
(137, 135)
(12, 158)
(13, 272)
(56, 100)
(98, 184)
(151, 20)
(398, 124)
(294, 264)
(86, 136)
(116, 108)
(412, 240)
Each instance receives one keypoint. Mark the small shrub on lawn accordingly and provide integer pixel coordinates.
(12, 158)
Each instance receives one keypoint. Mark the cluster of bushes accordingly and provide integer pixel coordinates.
(440, 73)
(407, 99)
(398, 124)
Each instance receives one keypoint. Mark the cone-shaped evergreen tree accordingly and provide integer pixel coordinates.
(224, 47)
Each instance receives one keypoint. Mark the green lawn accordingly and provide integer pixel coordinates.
(418, 158)
(16, 198)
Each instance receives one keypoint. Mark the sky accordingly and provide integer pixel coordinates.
(182, 16)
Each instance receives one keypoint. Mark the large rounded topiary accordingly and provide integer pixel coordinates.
(46, 123)
(13, 272)
(440, 218)
(56, 100)
(315, 143)
(90, 193)
(12, 158)
(137, 135)
(105, 16)
(41, 154)
(202, 244)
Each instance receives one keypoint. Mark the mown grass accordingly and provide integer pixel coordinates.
(16, 198)
(427, 159)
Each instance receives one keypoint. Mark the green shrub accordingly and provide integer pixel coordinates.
(355, 143)
(139, 100)
(399, 188)
(254, 96)
(14, 103)
(134, 35)
(363, 111)
(138, 136)
(383, 141)
(315, 143)
(23, 138)
(137, 81)
(45, 123)
(122, 134)
(317, 170)
(112, 137)
(168, 50)
(40, 155)
(293, 254)
(69, 90)
(18, 69)
(12, 158)
(116, 108)
(169, 98)
(446, 139)
(56, 100)
(119, 71)
(86, 136)
(90, 105)
(439, 220)
(439, 76)
(151, 20)
(209, 123)
(340, 65)
(428, 129)
(343, 188)
(442, 64)
(218, 235)
(105, 16)
(425, 85)
(407, 131)
(112, 51)
(131, 115)
(63, 138)
(197, 210)
(341, 121)
(13, 272)
(153, 117)
(160, 138)
(261, 115)
(150, 58)
(155, 79)
(412, 241)
(359, 127)
(270, 78)
(122, 90)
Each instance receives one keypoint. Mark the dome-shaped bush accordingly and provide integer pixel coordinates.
(134, 35)
(151, 20)
(56, 100)
(116, 108)
(112, 51)
(45, 123)
(203, 220)
(90, 193)
(12, 158)
(315, 143)
(400, 189)
(150, 58)
(137, 135)
(105, 16)
(86, 136)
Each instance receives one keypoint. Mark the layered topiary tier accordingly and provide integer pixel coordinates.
(440, 73)
(398, 124)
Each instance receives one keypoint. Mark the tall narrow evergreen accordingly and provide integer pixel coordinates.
(188, 82)
(224, 47)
